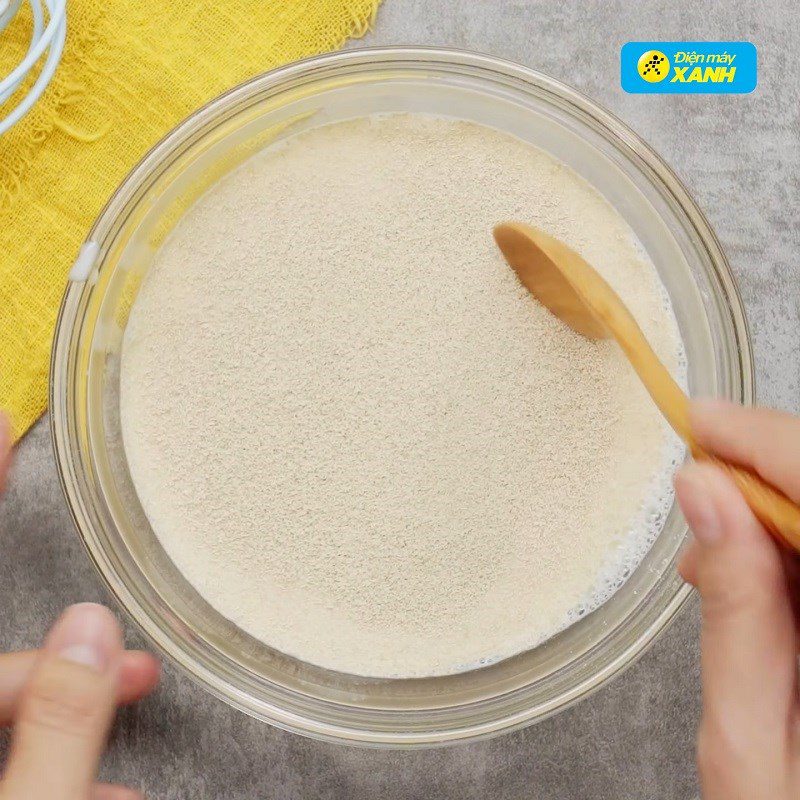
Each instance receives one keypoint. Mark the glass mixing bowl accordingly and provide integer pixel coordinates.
(85, 408)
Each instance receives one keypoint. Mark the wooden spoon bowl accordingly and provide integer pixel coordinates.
(573, 290)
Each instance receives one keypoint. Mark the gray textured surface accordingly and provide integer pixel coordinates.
(740, 156)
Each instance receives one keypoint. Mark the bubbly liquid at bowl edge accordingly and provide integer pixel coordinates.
(356, 434)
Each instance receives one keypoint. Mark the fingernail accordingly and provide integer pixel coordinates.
(711, 403)
(86, 634)
(698, 506)
(708, 407)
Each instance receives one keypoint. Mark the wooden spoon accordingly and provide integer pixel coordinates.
(569, 287)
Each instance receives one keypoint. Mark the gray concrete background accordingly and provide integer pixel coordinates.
(740, 157)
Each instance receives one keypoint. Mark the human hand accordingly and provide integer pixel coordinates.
(61, 700)
(749, 738)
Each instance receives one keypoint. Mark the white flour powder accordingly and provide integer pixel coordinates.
(353, 430)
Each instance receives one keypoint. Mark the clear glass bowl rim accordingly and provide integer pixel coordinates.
(67, 448)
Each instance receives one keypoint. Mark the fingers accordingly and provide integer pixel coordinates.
(687, 564)
(66, 708)
(765, 440)
(139, 675)
(748, 636)
(108, 791)
(5, 449)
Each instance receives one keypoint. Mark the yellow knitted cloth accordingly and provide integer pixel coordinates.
(130, 71)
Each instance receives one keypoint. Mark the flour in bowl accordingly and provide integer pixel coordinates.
(353, 430)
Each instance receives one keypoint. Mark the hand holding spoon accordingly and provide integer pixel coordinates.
(574, 292)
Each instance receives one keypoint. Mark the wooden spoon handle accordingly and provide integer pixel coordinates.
(568, 286)
(773, 509)
(776, 512)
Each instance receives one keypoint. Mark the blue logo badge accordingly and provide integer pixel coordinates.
(688, 67)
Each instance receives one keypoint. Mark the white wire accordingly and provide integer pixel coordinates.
(48, 38)
(36, 35)
(7, 10)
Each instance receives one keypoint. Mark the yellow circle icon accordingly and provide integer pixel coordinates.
(653, 66)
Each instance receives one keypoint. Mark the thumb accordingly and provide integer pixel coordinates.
(748, 636)
(66, 709)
